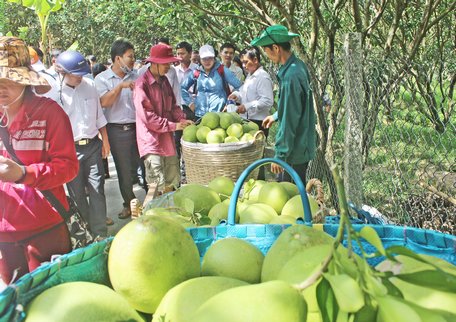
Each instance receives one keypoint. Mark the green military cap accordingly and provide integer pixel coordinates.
(275, 34)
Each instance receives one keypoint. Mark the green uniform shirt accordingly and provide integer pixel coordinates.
(296, 135)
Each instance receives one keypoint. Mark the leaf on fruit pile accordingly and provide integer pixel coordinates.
(326, 301)
(347, 292)
(369, 234)
(437, 280)
(189, 205)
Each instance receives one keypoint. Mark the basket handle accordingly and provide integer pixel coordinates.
(253, 166)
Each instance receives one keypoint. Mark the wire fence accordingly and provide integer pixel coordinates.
(408, 140)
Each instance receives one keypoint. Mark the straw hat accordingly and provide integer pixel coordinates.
(15, 65)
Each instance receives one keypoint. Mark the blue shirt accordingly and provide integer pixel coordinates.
(211, 95)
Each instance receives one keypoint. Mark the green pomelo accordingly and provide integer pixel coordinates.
(80, 302)
(214, 137)
(237, 118)
(274, 301)
(235, 130)
(252, 189)
(217, 213)
(239, 205)
(167, 211)
(291, 188)
(292, 240)
(226, 119)
(231, 139)
(201, 134)
(257, 213)
(246, 137)
(246, 128)
(148, 257)
(283, 220)
(425, 296)
(211, 120)
(299, 267)
(189, 133)
(223, 186)
(294, 207)
(203, 198)
(253, 126)
(252, 133)
(221, 132)
(182, 301)
(274, 195)
(235, 258)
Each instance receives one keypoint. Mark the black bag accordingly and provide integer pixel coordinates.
(189, 114)
(77, 226)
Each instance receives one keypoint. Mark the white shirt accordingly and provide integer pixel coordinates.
(182, 74)
(123, 110)
(257, 95)
(172, 79)
(237, 71)
(82, 104)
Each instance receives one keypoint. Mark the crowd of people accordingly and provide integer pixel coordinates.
(135, 111)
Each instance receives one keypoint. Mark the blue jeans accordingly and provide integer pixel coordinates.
(90, 176)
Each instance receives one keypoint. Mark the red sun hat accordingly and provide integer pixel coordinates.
(162, 54)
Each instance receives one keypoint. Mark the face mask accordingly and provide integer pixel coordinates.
(124, 68)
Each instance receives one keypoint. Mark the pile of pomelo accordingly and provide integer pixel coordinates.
(261, 203)
(220, 127)
(154, 268)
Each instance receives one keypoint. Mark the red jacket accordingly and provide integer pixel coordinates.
(42, 139)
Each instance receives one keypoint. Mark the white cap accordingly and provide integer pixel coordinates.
(206, 51)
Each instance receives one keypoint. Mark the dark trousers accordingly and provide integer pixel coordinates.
(26, 255)
(301, 170)
(124, 150)
(91, 177)
(261, 172)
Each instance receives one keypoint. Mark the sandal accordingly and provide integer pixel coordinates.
(109, 221)
(126, 213)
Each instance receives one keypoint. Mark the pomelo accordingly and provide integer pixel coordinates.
(253, 126)
(182, 301)
(231, 139)
(148, 257)
(252, 189)
(201, 133)
(257, 213)
(203, 198)
(235, 258)
(235, 130)
(274, 195)
(222, 185)
(246, 137)
(80, 302)
(214, 137)
(179, 215)
(294, 207)
(283, 220)
(226, 119)
(291, 188)
(189, 133)
(237, 118)
(211, 120)
(292, 240)
(274, 301)
(217, 213)
(221, 132)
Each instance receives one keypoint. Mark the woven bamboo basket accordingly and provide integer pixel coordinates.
(204, 162)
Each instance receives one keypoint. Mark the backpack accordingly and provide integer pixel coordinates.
(221, 71)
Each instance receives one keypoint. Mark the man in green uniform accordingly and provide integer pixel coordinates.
(296, 135)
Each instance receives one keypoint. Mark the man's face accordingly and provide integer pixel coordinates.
(160, 69)
(195, 58)
(9, 91)
(127, 59)
(72, 80)
(273, 54)
(183, 54)
(227, 55)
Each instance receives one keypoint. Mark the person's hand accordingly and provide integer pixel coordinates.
(268, 121)
(10, 171)
(128, 84)
(183, 124)
(233, 97)
(241, 109)
(276, 169)
(105, 149)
